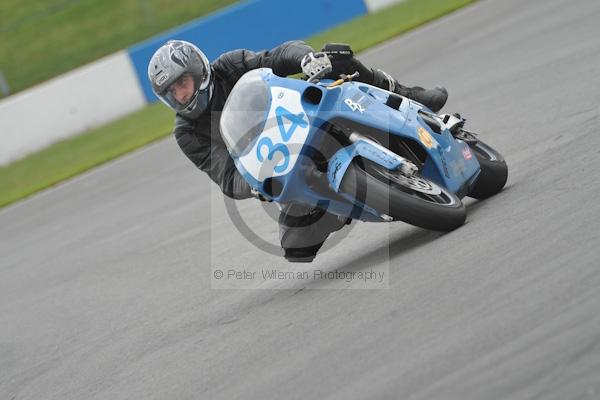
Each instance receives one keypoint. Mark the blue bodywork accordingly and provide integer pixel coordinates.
(448, 162)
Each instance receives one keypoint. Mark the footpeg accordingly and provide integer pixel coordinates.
(453, 122)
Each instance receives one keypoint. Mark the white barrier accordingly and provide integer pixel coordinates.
(67, 105)
(376, 5)
(111, 88)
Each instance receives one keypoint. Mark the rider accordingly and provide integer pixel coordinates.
(182, 77)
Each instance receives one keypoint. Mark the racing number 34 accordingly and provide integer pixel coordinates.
(297, 120)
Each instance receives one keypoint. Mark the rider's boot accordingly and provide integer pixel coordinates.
(303, 230)
(433, 98)
(343, 60)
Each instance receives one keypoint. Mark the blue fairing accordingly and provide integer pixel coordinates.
(278, 150)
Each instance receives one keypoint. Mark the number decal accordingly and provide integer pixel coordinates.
(296, 120)
(354, 106)
(281, 148)
(277, 150)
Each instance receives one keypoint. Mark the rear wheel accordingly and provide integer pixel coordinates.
(494, 171)
(414, 200)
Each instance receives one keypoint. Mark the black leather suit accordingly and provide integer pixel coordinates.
(302, 230)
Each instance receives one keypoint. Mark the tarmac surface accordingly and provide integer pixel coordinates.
(108, 285)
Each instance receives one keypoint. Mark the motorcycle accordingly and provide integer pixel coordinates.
(356, 150)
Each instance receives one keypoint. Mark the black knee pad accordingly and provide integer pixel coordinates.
(306, 254)
(298, 221)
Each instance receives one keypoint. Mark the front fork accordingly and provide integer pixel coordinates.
(364, 147)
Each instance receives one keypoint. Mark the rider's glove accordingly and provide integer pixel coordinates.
(256, 194)
(338, 53)
(315, 65)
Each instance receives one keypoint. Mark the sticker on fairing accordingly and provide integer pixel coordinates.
(426, 138)
(466, 152)
(276, 151)
(354, 106)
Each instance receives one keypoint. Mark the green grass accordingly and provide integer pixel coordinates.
(75, 155)
(370, 30)
(40, 39)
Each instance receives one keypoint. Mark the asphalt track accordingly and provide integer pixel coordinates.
(105, 281)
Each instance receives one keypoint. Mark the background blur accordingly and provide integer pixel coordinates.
(40, 39)
(106, 290)
(73, 72)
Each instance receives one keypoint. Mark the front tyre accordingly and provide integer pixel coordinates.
(414, 200)
(494, 171)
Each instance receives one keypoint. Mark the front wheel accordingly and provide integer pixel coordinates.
(414, 200)
(494, 171)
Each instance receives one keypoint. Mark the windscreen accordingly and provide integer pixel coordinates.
(245, 112)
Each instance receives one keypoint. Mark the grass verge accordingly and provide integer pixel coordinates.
(40, 39)
(75, 155)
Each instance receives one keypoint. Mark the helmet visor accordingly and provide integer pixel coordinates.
(186, 91)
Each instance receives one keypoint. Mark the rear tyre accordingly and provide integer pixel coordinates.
(414, 200)
(494, 171)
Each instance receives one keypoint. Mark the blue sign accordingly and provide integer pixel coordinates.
(254, 25)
